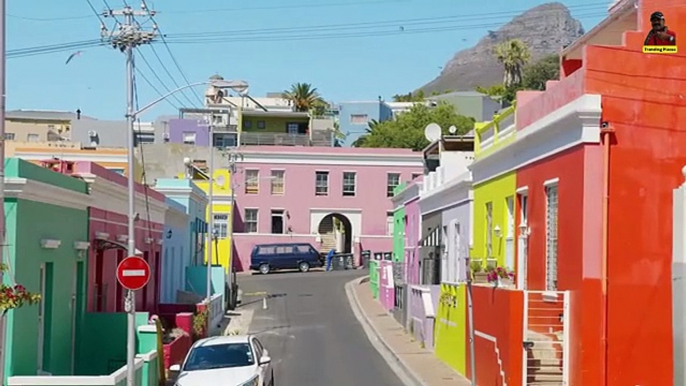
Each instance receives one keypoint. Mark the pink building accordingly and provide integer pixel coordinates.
(332, 198)
(108, 232)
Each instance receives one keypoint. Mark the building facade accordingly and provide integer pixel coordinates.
(47, 236)
(108, 228)
(354, 117)
(294, 194)
(176, 251)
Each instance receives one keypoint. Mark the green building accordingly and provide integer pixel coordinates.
(398, 224)
(47, 232)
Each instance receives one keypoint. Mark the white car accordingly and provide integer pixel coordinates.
(239, 360)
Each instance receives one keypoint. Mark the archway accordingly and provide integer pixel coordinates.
(336, 232)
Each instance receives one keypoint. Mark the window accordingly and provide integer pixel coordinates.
(252, 181)
(416, 175)
(489, 230)
(284, 250)
(223, 141)
(32, 137)
(117, 170)
(278, 182)
(221, 225)
(250, 220)
(292, 128)
(359, 119)
(247, 124)
(321, 184)
(509, 233)
(278, 222)
(266, 250)
(349, 183)
(389, 223)
(9, 136)
(189, 137)
(261, 125)
(551, 238)
(393, 180)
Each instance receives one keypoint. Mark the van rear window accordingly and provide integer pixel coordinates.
(303, 248)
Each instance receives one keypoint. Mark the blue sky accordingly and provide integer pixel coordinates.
(400, 45)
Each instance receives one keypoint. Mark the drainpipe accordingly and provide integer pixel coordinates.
(606, 135)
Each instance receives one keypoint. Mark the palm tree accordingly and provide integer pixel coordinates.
(371, 125)
(513, 55)
(304, 97)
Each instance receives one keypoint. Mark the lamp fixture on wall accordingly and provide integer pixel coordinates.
(81, 245)
(524, 230)
(50, 244)
(497, 231)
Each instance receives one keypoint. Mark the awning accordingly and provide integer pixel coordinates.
(105, 244)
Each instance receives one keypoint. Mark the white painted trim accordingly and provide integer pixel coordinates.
(60, 153)
(26, 189)
(147, 357)
(148, 328)
(524, 190)
(497, 353)
(122, 238)
(335, 210)
(573, 124)
(334, 159)
(243, 234)
(185, 192)
(99, 380)
(551, 182)
(81, 245)
(106, 236)
(50, 243)
(101, 235)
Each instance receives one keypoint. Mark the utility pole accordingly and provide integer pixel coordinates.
(210, 191)
(234, 157)
(2, 178)
(129, 36)
(470, 321)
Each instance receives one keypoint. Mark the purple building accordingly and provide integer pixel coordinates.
(189, 131)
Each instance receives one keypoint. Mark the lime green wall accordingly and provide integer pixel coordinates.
(399, 234)
(273, 124)
(451, 327)
(496, 191)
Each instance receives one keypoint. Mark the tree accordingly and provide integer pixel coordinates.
(535, 76)
(304, 97)
(407, 130)
(513, 55)
(14, 296)
(409, 97)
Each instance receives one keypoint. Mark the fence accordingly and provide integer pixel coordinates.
(284, 139)
(146, 373)
(216, 310)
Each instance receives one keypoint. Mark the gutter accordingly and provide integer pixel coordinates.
(606, 133)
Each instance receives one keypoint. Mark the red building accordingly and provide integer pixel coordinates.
(108, 232)
(597, 156)
(612, 183)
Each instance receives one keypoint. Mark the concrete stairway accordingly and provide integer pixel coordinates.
(544, 360)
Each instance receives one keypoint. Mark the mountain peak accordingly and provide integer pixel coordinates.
(545, 29)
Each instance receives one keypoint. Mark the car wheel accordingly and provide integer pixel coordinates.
(304, 266)
(264, 269)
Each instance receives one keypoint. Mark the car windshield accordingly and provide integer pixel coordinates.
(219, 356)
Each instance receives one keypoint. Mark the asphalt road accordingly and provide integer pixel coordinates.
(310, 331)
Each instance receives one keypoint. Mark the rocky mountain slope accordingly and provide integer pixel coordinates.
(545, 29)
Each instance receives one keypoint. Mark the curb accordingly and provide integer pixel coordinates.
(399, 367)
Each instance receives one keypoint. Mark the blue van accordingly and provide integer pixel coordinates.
(268, 257)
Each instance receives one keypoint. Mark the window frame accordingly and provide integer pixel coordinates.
(248, 185)
(551, 234)
(247, 222)
(273, 181)
(345, 193)
(317, 173)
(223, 233)
(389, 190)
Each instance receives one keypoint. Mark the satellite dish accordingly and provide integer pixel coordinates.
(220, 180)
(452, 129)
(432, 132)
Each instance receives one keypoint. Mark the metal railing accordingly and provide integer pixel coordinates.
(216, 309)
(285, 139)
(488, 134)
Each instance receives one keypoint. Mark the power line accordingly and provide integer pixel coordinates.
(164, 85)
(171, 54)
(164, 68)
(145, 78)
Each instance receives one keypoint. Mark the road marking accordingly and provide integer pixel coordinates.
(254, 293)
(133, 272)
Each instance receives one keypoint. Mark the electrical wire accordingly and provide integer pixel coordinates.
(164, 85)
(53, 48)
(171, 54)
(166, 70)
(145, 78)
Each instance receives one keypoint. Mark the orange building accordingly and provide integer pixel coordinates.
(597, 156)
(110, 158)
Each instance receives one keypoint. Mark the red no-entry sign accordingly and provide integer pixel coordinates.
(133, 273)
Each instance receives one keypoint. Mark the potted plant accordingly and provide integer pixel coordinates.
(478, 274)
(501, 277)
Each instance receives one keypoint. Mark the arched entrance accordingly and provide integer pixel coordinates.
(336, 232)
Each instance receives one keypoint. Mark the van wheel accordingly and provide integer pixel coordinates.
(264, 269)
(304, 266)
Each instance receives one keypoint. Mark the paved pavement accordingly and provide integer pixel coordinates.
(310, 331)
(417, 365)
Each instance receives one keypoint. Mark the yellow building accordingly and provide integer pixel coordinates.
(220, 208)
(494, 194)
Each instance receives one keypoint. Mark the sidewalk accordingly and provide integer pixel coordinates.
(420, 366)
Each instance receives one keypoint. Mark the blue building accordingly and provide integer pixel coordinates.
(183, 246)
(354, 117)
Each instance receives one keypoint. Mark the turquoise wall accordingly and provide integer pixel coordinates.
(29, 222)
(196, 280)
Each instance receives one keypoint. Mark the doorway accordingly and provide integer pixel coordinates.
(45, 319)
(336, 232)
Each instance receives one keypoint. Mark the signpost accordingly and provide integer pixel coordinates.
(133, 273)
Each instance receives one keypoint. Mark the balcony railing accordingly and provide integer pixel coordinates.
(284, 139)
(490, 134)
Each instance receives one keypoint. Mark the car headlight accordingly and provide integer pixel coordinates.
(254, 381)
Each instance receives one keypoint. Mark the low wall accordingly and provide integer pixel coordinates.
(196, 280)
(145, 373)
(451, 326)
(386, 285)
(498, 330)
(422, 315)
(176, 351)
